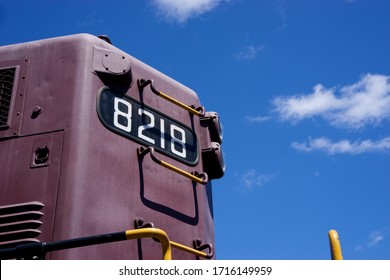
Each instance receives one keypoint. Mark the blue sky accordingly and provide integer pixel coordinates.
(303, 91)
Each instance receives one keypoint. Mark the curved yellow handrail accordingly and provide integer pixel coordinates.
(166, 244)
(41, 248)
(335, 247)
(156, 233)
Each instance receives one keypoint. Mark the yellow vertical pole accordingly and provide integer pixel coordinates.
(335, 248)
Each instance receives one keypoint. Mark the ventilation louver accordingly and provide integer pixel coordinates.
(7, 77)
(19, 223)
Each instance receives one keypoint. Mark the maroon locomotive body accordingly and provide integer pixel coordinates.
(94, 141)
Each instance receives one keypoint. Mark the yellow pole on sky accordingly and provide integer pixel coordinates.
(335, 248)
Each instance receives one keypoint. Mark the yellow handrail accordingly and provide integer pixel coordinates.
(195, 111)
(197, 250)
(335, 247)
(166, 244)
(41, 248)
(184, 173)
(198, 177)
(180, 104)
(189, 250)
(156, 233)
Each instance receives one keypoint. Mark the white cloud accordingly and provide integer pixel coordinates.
(248, 52)
(257, 119)
(281, 10)
(364, 103)
(252, 179)
(182, 10)
(90, 20)
(374, 239)
(344, 146)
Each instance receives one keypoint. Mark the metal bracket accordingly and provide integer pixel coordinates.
(140, 223)
(200, 247)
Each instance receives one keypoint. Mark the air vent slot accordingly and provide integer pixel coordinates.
(7, 77)
(19, 223)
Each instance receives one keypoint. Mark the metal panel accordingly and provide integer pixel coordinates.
(24, 190)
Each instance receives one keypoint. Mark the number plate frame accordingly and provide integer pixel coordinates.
(142, 124)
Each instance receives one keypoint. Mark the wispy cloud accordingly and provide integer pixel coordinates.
(182, 10)
(248, 52)
(257, 119)
(91, 19)
(364, 103)
(251, 179)
(374, 239)
(326, 145)
(281, 11)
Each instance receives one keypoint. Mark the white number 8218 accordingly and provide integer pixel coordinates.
(123, 115)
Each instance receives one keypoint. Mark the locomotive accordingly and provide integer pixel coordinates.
(97, 147)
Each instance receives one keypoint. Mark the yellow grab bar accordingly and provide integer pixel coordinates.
(200, 111)
(166, 244)
(180, 104)
(190, 250)
(198, 246)
(156, 233)
(198, 177)
(335, 248)
(41, 248)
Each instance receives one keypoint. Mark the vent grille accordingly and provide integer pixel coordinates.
(7, 77)
(19, 224)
